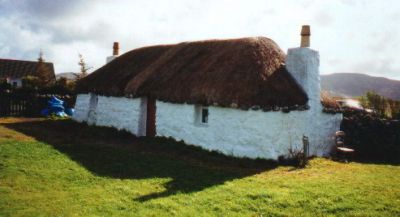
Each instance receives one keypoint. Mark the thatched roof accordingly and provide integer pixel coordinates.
(246, 72)
(111, 79)
(329, 101)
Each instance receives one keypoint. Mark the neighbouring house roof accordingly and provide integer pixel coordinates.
(21, 68)
(244, 73)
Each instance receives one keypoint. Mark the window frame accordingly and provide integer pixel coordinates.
(204, 115)
(201, 115)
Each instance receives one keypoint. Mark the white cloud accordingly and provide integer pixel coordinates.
(348, 34)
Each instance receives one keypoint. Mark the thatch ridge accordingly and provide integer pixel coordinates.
(112, 78)
(243, 72)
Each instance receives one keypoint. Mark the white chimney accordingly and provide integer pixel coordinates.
(303, 64)
(115, 52)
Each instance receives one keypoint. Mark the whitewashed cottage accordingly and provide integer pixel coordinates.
(242, 97)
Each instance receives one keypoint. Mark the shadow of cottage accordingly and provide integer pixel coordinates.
(107, 152)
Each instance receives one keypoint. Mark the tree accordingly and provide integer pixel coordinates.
(43, 72)
(4, 86)
(383, 106)
(395, 108)
(83, 67)
(31, 82)
(63, 86)
(62, 82)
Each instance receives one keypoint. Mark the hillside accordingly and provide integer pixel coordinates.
(355, 84)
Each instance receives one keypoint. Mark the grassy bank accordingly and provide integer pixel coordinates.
(62, 168)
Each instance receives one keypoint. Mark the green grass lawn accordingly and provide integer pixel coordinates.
(62, 168)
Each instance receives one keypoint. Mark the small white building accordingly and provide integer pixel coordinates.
(242, 97)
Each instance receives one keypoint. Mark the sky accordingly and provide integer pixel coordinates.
(351, 36)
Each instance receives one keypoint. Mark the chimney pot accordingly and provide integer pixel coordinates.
(305, 36)
(116, 49)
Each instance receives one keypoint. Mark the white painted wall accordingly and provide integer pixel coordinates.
(81, 108)
(118, 112)
(322, 135)
(303, 64)
(254, 134)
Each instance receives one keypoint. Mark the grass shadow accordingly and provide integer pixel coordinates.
(108, 152)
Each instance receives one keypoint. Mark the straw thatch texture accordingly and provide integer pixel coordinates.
(328, 101)
(112, 78)
(241, 73)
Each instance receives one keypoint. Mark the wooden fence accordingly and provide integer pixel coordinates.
(28, 105)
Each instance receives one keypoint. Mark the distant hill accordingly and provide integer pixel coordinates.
(355, 84)
(67, 75)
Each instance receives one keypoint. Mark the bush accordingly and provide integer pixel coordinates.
(62, 87)
(4, 86)
(31, 82)
(384, 107)
(32, 85)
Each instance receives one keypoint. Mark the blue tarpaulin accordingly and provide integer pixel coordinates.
(56, 106)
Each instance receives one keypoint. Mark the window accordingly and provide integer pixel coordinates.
(201, 115)
(15, 84)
